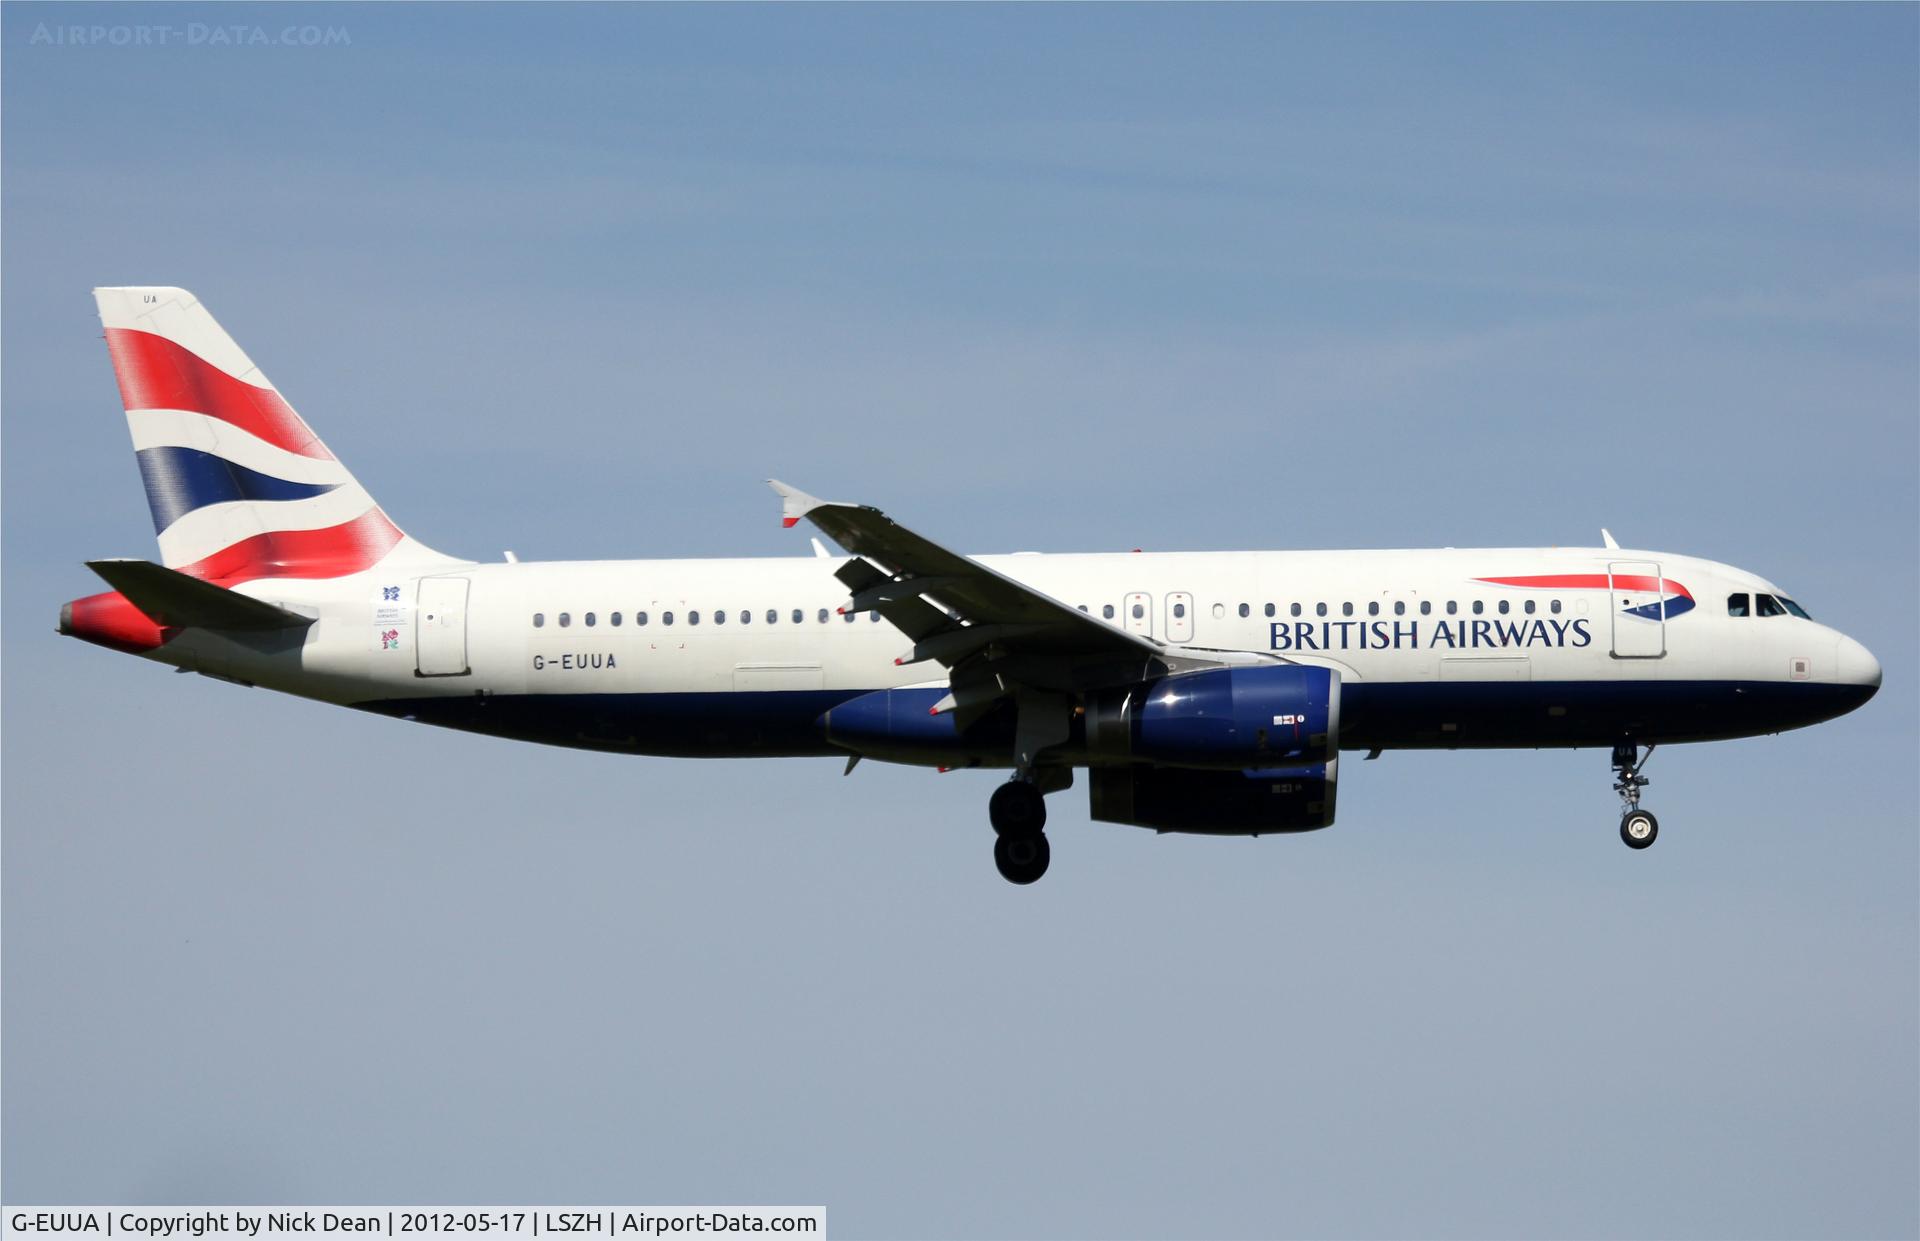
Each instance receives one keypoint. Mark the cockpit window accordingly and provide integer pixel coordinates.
(1737, 604)
(1767, 605)
(1794, 608)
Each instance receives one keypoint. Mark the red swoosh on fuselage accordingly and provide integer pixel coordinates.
(1594, 581)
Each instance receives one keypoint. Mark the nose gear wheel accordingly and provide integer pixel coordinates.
(1638, 828)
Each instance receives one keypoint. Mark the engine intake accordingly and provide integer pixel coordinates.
(1284, 715)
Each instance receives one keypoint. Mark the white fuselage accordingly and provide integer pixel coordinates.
(1466, 660)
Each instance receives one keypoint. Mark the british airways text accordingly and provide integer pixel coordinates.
(1379, 635)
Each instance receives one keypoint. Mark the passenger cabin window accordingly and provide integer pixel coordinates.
(1245, 610)
(1139, 611)
(773, 616)
(1106, 610)
(1373, 608)
(1179, 611)
(1319, 609)
(1767, 605)
(666, 618)
(693, 618)
(1554, 607)
(565, 620)
(1452, 607)
(798, 616)
(614, 620)
(1346, 609)
(1527, 607)
(1294, 610)
(719, 617)
(1426, 607)
(823, 616)
(1478, 607)
(539, 619)
(640, 618)
(1737, 604)
(1503, 607)
(589, 619)
(1399, 607)
(1270, 609)
(847, 617)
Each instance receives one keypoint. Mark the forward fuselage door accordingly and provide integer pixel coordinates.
(1639, 610)
(442, 645)
(1139, 614)
(1179, 617)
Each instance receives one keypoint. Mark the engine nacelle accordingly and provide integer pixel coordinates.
(1217, 803)
(1283, 715)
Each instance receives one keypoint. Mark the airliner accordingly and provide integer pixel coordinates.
(1202, 692)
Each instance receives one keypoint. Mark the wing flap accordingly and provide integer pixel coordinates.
(917, 565)
(983, 626)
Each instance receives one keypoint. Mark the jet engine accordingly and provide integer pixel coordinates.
(1280, 715)
(1217, 803)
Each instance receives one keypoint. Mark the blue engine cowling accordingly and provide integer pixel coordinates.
(1281, 715)
(1216, 803)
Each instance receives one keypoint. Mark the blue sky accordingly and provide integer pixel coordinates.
(573, 280)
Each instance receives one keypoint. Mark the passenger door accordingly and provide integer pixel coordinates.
(441, 648)
(1639, 610)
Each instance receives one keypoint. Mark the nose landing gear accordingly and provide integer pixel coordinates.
(1638, 828)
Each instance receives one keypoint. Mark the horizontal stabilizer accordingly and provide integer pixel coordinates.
(178, 601)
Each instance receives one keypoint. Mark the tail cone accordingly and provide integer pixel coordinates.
(109, 620)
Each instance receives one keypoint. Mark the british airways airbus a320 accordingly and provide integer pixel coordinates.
(1203, 692)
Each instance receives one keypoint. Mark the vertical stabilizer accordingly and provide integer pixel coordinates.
(239, 486)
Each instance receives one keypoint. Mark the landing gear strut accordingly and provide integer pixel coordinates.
(1019, 815)
(1638, 828)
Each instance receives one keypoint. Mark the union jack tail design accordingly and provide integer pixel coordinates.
(240, 487)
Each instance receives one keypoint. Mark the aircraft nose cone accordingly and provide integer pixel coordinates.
(1858, 666)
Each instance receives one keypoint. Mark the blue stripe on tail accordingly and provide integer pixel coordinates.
(180, 480)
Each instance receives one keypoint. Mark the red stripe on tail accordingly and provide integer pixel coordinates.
(335, 551)
(155, 373)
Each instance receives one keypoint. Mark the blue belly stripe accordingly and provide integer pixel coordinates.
(1387, 714)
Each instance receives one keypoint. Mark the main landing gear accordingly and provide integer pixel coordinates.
(1638, 828)
(1019, 814)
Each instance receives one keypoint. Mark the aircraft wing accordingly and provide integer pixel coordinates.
(992, 633)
